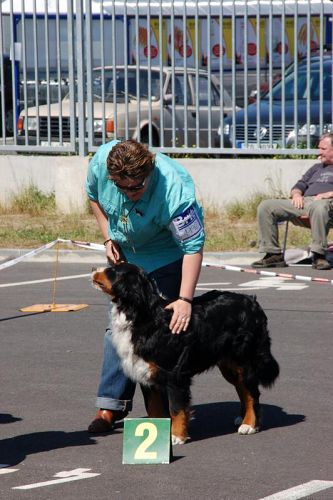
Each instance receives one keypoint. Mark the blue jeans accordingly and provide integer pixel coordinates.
(116, 390)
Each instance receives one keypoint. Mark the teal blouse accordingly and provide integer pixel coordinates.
(165, 224)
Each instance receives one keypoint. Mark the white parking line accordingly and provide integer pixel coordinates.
(219, 283)
(227, 289)
(5, 285)
(301, 491)
(4, 469)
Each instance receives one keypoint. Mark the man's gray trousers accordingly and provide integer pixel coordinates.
(271, 212)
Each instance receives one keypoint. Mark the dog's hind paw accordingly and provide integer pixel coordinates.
(247, 429)
(178, 439)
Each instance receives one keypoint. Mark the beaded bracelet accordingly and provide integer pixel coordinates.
(185, 299)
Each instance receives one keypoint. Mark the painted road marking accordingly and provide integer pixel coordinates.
(4, 469)
(64, 477)
(275, 282)
(267, 282)
(300, 491)
(228, 289)
(219, 283)
(45, 280)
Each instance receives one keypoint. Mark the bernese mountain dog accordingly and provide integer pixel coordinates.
(227, 330)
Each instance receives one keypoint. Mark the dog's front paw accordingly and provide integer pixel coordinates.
(179, 439)
(247, 429)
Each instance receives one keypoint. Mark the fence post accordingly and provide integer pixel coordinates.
(81, 80)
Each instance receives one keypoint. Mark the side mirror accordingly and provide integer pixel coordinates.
(167, 100)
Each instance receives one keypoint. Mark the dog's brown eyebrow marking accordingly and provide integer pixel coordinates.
(99, 283)
(102, 282)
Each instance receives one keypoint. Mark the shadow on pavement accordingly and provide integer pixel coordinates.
(23, 315)
(7, 418)
(14, 450)
(217, 419)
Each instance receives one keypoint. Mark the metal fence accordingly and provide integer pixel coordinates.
(203, 77)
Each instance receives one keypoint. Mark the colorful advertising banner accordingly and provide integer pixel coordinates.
(269, 43)
(302, 35)
(278, 41)
(221, 38)
(139, 41)
(254, 45)
(289, 29)
(184, 44)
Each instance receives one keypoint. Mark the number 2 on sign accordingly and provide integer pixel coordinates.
(141, 452)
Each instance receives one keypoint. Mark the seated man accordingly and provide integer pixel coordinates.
(312, 195)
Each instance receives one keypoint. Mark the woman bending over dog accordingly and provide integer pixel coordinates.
(146, 209)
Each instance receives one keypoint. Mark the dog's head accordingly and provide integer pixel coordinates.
(126, 284)
(104, 278)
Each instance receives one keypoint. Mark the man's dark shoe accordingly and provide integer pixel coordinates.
(320, 263)
(104, 420)
(270, 260)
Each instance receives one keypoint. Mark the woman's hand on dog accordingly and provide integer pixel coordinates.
(113, 252)
(181, 316)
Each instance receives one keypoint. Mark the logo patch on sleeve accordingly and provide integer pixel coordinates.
(186, 225)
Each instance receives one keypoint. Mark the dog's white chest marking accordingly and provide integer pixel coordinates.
(134, 367)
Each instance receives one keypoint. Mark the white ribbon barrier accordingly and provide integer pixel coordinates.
(99, 247)
(84, 244)
(268, 273)
(32, 253)
(12, 262)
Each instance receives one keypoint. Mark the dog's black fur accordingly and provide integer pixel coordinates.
(228, 330)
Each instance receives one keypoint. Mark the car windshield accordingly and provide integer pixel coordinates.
(305, 89)
(134, 91)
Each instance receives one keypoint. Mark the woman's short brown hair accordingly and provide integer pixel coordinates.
(130, 159)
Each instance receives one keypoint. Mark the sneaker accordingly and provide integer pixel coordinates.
(270, 260)
(319, 262)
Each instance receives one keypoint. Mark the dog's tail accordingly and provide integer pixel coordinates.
(264, 369)
(267, 368)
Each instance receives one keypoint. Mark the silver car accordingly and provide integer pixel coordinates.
(126, 102)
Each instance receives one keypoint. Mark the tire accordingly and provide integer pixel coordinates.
(9, 123)
(145, 137)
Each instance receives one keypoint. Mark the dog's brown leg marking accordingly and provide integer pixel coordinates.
(179, 427)
(248, 403)
(153, 397)
(154, 402)
(234, 375)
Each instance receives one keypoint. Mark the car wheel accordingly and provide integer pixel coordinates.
(145, 137)
(9, 123)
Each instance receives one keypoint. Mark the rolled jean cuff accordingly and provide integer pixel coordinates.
(114, 404)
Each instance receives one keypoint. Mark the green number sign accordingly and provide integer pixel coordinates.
(146, 441)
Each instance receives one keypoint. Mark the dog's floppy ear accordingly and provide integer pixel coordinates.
(135, 289)
(148, 288)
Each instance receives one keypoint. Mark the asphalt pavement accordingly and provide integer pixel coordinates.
(49, 371)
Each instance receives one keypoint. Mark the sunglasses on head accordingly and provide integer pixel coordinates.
(137, 187)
